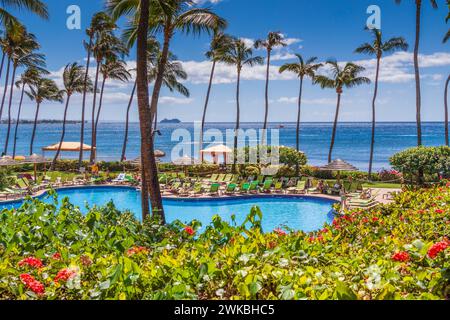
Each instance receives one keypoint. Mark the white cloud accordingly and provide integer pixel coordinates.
(248, 42)
(174, 100)
(319, 101)
(283, 56)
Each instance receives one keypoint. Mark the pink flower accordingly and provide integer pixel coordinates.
(189, 230)
(64, 275)
(280, 232)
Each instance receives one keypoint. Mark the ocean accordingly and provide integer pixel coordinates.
(352, 141)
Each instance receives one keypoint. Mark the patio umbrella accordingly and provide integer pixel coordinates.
(159, 154)
(7, 162)
(185, 162)
(35, 160)
(339, 165)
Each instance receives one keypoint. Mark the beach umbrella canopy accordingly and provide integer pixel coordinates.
(186, 161)
(339, 165)
(7, 161)
(36, 159)
(159, 154)
(138, 162)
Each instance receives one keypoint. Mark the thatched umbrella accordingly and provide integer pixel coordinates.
(186, 161)
(35, 160)
(159, 154)
(7, 162)
(339, 165)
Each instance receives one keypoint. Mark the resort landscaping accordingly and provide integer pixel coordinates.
(397, 251)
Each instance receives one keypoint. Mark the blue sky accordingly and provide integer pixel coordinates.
(322, 28)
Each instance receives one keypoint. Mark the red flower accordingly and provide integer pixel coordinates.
(280, 232)
(32, 284)
(64, 275)
(31, 262)
(325, 230)
(437, 248)
(135, 250)
(365, 220)
(439, 211)
(375, 219)
(56, 256)
(336, 224)
(189, 230)
(272, 245)
(400, 256)
(402, 218)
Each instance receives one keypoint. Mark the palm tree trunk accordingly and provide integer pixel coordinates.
(2, 63)
(417, 73)
(18, 120)
(9, 108)
(97, 72)
(333, 136)
(266, 115)
(34, 127)
(155, 121)
(145, 119)
(83, 109)
(297, 167)
(446, 110)
(5, 90)
(63, 134)
(205, 108)
(99, 111)
(375, 94)
(144, 186)
(127, 120)
(159, 77)
(238, 115)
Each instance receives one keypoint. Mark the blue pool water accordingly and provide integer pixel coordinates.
(299, 213)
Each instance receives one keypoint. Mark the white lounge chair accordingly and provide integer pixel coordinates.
(120, 178)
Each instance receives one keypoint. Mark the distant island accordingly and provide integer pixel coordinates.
(170, 121)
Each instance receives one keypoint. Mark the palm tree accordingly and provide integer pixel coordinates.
(35, 6)
(22, 55)
(74, 82)
(302, 69)
(100, 22)
(110, 47)
(346, 77)
(42, 90)
(26, 79)
(447, 36)
(168, 16)
(239, 55)
(115, 70)
(220, 44)
(127, 121)
(274, 39)
(416, 66)
(173, 73)
(377, 48)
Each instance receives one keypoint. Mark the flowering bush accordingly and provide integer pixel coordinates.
(399, 251)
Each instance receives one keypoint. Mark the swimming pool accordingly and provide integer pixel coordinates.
(299, 213)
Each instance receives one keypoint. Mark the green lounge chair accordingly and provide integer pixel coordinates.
(231, 188)
(181, 175)
(221, 178)
(198, 189)
(244, 187)
(214, 190)
(228, 178)
(300, 188)
(254, 187)
(348, 186)
(214, 177)
(278, 187)
(21, 184)
(267, 186)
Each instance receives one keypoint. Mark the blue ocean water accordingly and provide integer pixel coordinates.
(352, 141)
(306, 214)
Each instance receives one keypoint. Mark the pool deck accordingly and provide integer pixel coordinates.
(382, 194)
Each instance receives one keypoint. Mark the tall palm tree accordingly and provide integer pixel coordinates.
(74, 82)
(115, 70)
(377, 48)
(26, 79)
(341, 77)
(35, 6)
(273, 40)
(416, 66)
(302, 69)
(173, 74)
(109, 47)
(220, 44)
(100, 22)
(168, 17)
(22, 55)
(239, 55)
(42, 90)
(447, 36)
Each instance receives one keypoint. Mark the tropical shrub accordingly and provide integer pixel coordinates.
(431, 162)
(399, 251)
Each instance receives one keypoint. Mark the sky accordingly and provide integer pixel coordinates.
(321, 28)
